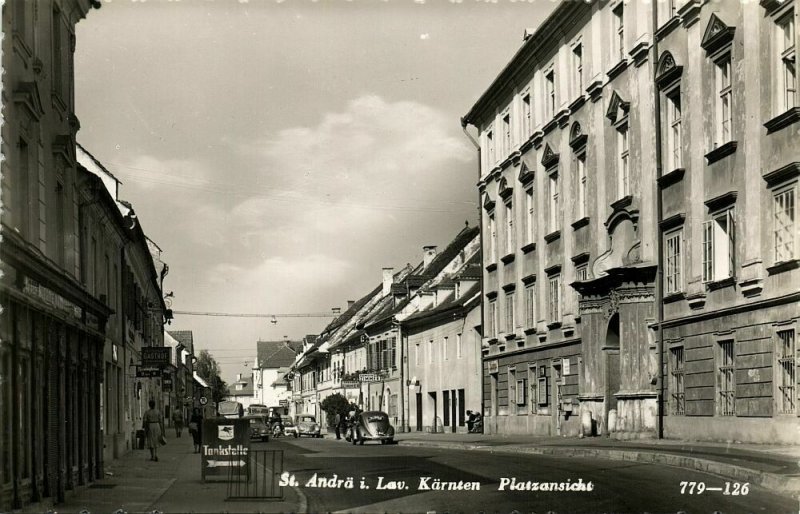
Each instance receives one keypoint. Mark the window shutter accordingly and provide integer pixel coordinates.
(731, 243)
(708, 251)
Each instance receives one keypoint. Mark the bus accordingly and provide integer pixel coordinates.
(230, 409)
(258, 408)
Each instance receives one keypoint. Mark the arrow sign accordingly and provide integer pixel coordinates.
(225, 463)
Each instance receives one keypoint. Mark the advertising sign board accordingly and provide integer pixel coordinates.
(147, 372)
(156, 355)
(225, 445)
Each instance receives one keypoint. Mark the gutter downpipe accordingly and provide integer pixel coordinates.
(660, 243)
(477, 146)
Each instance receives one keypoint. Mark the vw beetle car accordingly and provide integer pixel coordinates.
(306, 424)
(258, 428)
(373, 426)
(289, 428)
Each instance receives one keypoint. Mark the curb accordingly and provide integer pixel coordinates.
(785, 485)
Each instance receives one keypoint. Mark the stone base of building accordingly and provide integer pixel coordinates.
(636, 416)
(779, 430)
(536, 425)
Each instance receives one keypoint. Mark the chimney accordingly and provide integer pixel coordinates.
(428, 254)
(528, 33)
(350, 303)
(238, 377)
(388, 280)
(336, 310)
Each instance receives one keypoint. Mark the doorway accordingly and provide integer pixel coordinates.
(419, 412)
(558, 391)
(435, 411)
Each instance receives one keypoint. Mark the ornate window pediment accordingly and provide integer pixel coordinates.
(504, 190)
(577, 138)
(549, 158)
(525, 174)
(667, 71)
(27, 95)
(488, 203)
(717, 34)
(617, 108)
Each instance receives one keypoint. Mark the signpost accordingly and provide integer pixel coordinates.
(156, 356)
(147, 372)
(225, 445)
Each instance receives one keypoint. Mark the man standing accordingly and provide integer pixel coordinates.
(337, 420)
(177, 421)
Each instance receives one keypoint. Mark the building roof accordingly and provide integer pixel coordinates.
(199, 379)
(247, 387)
(546, 37)
(184, 337)
(468, 299)
(277, 354)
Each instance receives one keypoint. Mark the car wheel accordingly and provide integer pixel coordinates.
(383, 441)
(296, 435)
(390, 440)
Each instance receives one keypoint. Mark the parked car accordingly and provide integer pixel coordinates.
(289, 428)
(258, 428)
(372, 426)
(306, 424)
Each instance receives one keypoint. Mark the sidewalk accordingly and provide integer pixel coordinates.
(774, 467)
(136, 485)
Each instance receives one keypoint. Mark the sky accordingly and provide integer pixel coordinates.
(281, 153)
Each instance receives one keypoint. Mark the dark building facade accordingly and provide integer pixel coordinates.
(52, 329)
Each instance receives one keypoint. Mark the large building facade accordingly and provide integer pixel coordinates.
(640, 272)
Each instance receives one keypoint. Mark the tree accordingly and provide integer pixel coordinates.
(333, 405)
(208, 369)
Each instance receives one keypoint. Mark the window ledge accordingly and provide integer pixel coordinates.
(528, 248)
(721, 151)
(780, 267)
(553, 236)
(577, 103)
(667, 27)
(529, 331)
(783, 120)
(550, 125)
(508, 258)
(491, 267)
(580, 223)
(492, 340)
(623, 202)
(721, 283)
(617, 69)
(510, 336)
(696, 301)
(670, 178)
(594, 89)
(674, 297)
(553, 325)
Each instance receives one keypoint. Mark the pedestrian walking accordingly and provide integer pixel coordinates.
(177, 421)
(196, 429)
(337, 424)
(153, 425)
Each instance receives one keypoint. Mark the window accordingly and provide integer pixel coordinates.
(459, 349)
(554, 283)
(718, 246)
(787, 62)
(522, 388)
(59, 59)
(492, 238)
(677, 385)
(430, 351)
(541, 387)
(510, 238)
(550, 96)
(667, 11)
(490, 150)
(726, 379)
(491, 328)
(623, 169)
(416, 354)
(510, 312)
(672, 262)
(577, 69)
(553, 218)
(506, 134)
(393, 352)
(785, 223)
(20, 207)
(527, 118)
(444, 349)
(724, 100)
(582, 197)
(674, 130)
(529, 219)
(532, 391)
(512, 387)
(530, 305)
(785, 376)
(619, 31)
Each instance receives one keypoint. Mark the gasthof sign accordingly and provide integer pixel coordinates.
(156, 355)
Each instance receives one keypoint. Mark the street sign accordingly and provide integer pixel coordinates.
(156, 355)
(225, 445)
(283, 403)
(203, 400)
(147, 372)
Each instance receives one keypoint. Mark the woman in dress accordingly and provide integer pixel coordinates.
(196, 428)
(153, 425)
